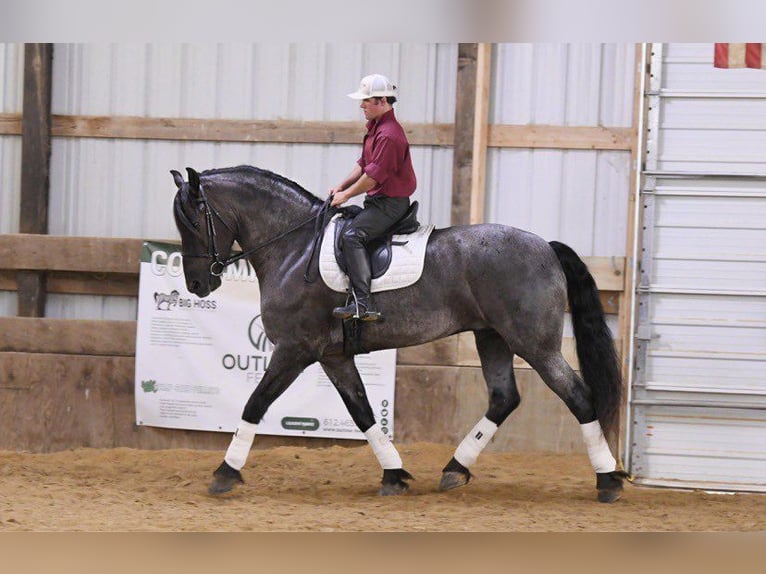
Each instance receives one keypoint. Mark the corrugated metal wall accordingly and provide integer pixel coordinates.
(699, 388)
(117, 188)
(578, 197)
(11, 95)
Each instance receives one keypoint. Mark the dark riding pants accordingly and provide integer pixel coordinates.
(380, 213)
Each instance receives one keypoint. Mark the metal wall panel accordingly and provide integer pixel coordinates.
(116, 188)
(713, 120)
(11, 102)
(563, 84)
(698, 396)
(698, 448)
(579, 197)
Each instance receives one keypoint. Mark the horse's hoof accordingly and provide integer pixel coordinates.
(454, 475)
(224, 479)
(452, 480)
(394, 482)
(608, 496)
(609, 485)
(394, 489)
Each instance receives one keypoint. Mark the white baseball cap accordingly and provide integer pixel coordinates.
(374, 86)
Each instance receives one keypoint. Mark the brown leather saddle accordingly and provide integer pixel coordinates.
(378, 249)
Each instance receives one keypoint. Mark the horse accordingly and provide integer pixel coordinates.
(508, 286)
(169, 299)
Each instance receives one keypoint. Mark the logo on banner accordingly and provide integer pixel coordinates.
(257, 335)
(168, 299)
(149, 386)
(253, 364)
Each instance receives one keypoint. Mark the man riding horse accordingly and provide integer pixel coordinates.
(384, 172)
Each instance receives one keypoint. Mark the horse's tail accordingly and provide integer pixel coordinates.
(595, 347)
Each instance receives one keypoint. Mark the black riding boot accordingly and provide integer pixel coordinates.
(360, 276)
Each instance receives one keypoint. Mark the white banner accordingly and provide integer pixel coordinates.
(198, 360)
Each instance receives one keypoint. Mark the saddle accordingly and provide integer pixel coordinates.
(378, 249)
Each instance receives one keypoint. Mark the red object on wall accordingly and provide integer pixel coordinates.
(739, 56)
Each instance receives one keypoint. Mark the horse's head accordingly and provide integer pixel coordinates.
(206, 239)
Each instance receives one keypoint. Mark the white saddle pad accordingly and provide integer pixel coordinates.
(406, 261)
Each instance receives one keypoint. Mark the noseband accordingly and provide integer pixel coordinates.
(218, 264)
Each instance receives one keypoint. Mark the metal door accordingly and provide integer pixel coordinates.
(697, 405)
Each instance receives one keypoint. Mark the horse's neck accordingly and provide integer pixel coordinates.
(263, 223)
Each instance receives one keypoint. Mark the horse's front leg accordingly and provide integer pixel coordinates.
(284, 368)
(345, 377)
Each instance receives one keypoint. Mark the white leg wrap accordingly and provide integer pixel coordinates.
(598, 450)
(236, 455)
(384, 449)
(474, 442)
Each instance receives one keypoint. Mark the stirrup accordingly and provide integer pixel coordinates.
(357, 314)
(368, 315)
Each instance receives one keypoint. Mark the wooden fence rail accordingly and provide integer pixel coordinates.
(321, 132)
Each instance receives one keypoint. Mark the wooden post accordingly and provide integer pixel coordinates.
(627, 297)
(35, 167)
(480, 132)
(465, 108)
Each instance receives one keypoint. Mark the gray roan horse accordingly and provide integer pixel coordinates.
(508, 286)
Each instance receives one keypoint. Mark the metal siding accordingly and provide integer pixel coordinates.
(576, 196)
(699, 389)
(563, 84)
(579, 197)
(689, 67)
(11, 102)
(714, 120)
(122, 188)
(702, 449)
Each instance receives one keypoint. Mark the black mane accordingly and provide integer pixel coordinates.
(258, 172)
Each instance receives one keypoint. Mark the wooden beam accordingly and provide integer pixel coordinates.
(480, 133)
(57, 253)
(10, 125)
(320, 132)
(35, 166)
(561, 137)
(223, 130)
(632, 240)
(74, 283)
(609, 272)
(462, 156)
(68, 336)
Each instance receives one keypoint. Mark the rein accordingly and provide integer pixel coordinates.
(218, 265)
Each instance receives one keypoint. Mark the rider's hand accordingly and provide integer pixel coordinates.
(338, 198)
(335, 189)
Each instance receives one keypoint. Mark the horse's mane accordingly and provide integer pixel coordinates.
(249, 170)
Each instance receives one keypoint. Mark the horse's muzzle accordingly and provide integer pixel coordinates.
(203, 288)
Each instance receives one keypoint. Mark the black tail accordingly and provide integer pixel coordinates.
(595, 348)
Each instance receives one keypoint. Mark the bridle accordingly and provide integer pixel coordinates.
(218, 264)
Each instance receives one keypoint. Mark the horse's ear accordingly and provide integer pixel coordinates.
(178, 178)
(193, 181)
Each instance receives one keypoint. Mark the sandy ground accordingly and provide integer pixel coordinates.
(334, 489)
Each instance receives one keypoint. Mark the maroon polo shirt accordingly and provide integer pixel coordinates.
(386, 158)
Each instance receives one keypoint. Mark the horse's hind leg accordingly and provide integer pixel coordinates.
(563, 381)
(345, 377)
(497, 367)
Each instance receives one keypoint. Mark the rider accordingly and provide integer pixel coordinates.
(385, 174)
